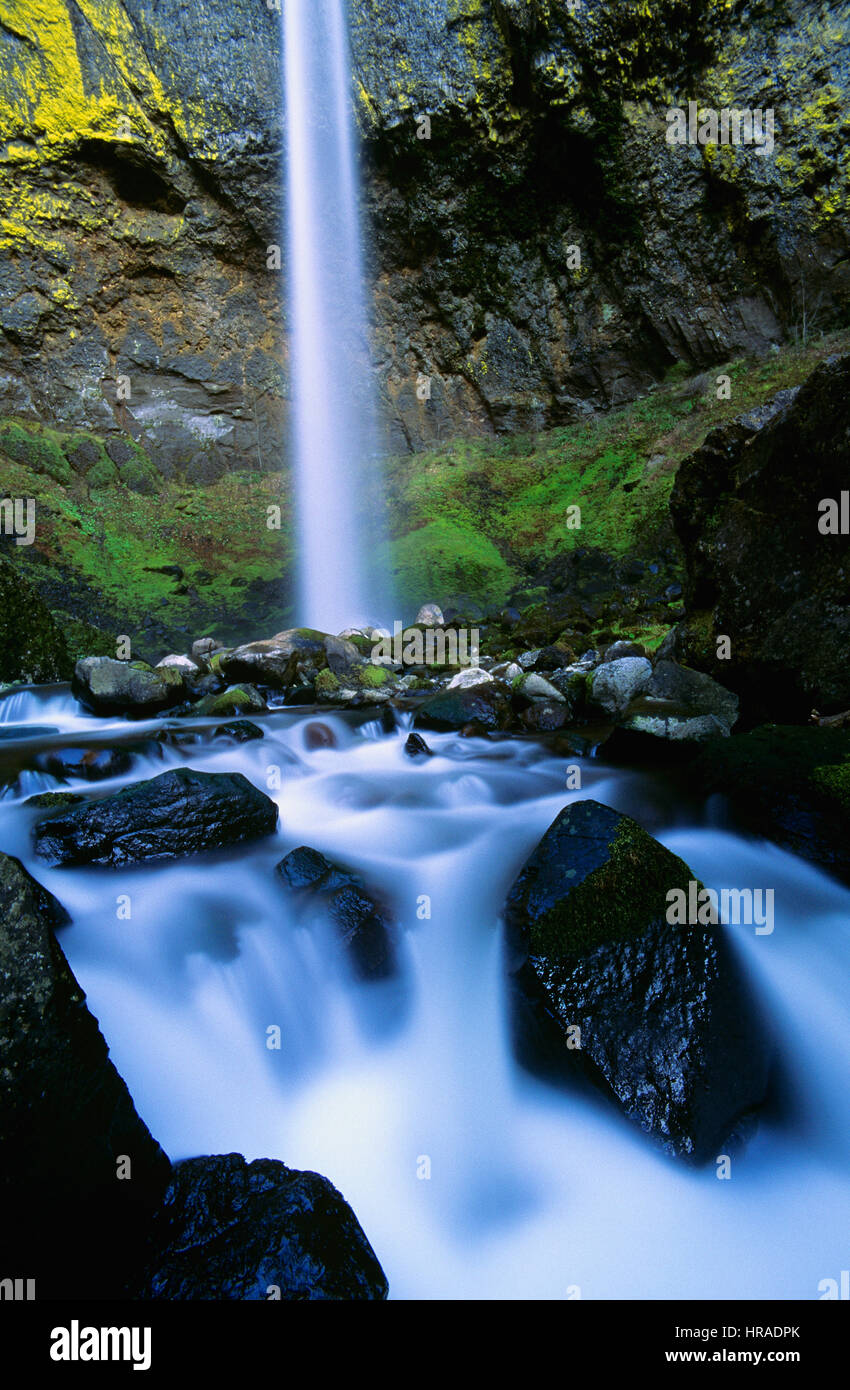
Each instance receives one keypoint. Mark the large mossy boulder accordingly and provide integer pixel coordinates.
(255, 1232)
(32, 647)
(180, 812)
(237, 699)
(788, 783)
(668, 1028)
(106, 686)
(749, 507)
(68, 1127)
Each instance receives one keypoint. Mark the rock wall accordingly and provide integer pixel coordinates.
(760, 513)
(139, 193)
(548, 132)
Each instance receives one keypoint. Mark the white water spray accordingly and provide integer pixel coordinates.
(333, 421)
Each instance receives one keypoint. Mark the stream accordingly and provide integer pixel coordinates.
(471, 1178)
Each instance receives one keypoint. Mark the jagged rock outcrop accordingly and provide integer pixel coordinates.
(548, 132)
(138, 194)
(257, 1231)
(80, 1173)
(751, 508)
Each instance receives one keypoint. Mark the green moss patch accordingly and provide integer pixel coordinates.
(616, 901)
(449, 558)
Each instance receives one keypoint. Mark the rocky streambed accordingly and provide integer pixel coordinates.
(449, 983)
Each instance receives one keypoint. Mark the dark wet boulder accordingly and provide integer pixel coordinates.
(692, 692)
(66, 1118)
(304, 868)
(667, 1026)
(479, 707)
(179, 812)
(571, 683)
(621, 649)
(364, 923)
(231, 1230)
(788, 783)
(749, 507)
(240, 730)
(32, 648)
(416, 747)
(201, 687)
(544, 716)
(304, 693)
(318, 735)
(105, 686)
(554, 657)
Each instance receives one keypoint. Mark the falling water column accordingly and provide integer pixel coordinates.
(333, 421)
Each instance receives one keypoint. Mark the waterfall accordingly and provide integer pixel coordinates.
(333, 418)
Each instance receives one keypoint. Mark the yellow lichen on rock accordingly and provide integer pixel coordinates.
(49, 96)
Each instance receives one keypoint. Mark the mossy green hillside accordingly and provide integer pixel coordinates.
(118, 547)
(446, 557)
(478, 517)
(121, 550)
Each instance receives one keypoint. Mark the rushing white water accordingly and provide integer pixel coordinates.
(334, 435)
(532, 1189)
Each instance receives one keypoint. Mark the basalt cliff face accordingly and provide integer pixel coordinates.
(139, 187)
(140, 190)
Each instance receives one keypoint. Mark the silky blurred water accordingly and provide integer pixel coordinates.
(334, 431)
(533, 1190)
